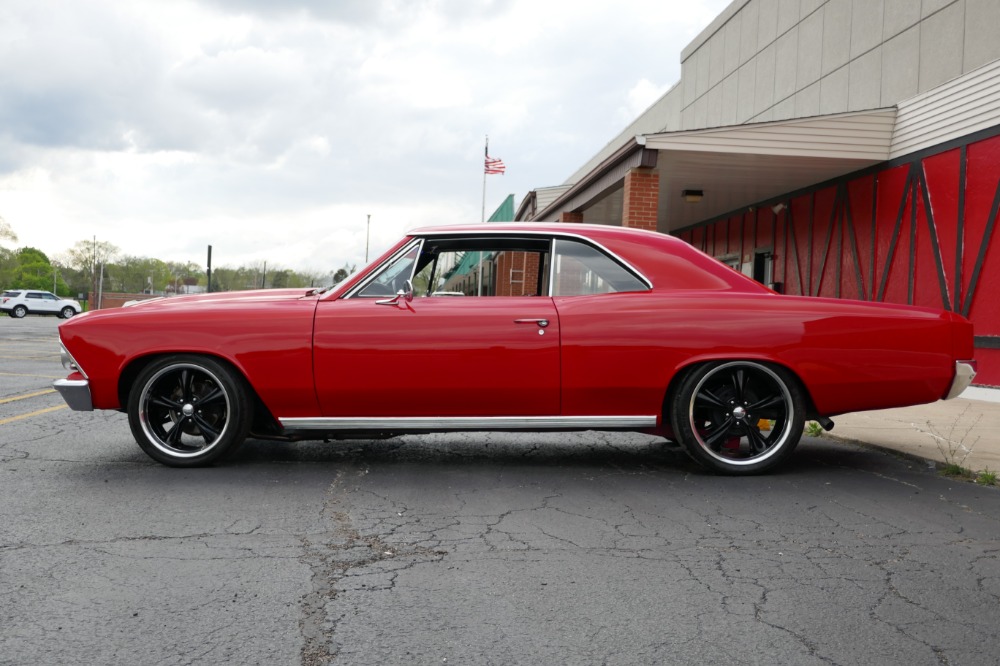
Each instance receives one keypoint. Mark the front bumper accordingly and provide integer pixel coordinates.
(76, 393)
(965, 372)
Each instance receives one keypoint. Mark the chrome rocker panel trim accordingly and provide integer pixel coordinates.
(76, 393)
(431, 423)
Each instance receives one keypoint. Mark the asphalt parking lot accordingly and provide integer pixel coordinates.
(472, 549)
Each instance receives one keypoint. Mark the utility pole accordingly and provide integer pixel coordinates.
(368, 233)
(208, 289)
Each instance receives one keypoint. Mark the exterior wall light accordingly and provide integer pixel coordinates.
(692, 196)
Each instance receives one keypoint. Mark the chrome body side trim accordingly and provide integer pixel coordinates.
(965, 372)
(76, 393)
(433, 423)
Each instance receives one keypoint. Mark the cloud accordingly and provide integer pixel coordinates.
(267, 127)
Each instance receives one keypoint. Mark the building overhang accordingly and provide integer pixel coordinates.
(734, 166)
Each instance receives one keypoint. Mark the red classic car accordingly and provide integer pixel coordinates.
(512, 327)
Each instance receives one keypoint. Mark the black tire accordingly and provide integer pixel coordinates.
(738, 417)
(67, 312)
(19, 312)
(188, 411)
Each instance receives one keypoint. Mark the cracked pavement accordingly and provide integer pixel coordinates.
(581, 548)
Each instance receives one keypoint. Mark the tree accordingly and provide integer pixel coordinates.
(6, 232)
(33, 270)
(136, 275)
(280, 278)
(343, 273)
(86, 255)
(8, 266)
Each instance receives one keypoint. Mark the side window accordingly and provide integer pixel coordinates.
(482, 266)
(34, 295)
(583, 269)
(393, 276)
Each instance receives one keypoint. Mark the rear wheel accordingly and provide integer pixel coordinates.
(188, 411)
(19, 312)
(739, 417)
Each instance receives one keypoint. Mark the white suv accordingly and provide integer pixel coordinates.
(20, 302)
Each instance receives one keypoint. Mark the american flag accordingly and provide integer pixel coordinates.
(494, 165)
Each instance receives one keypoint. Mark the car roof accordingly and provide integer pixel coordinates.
(656, 256)
(566, 228)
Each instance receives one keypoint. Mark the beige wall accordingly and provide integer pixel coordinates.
(763, 60)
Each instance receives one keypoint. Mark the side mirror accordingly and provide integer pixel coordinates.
(406, 294)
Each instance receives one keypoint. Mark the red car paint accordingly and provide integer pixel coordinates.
(335, 355)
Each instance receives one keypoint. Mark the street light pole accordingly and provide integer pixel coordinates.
(368, 234)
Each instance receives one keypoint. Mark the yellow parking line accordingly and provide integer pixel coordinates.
(11, 419)
(35, 355)
(27, 395)
(21, 374)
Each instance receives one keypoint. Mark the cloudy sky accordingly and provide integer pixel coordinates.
(270, 129)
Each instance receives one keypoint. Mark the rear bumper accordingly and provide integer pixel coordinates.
(76, 393)
(965, 372)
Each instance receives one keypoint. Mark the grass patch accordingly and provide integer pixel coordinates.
(986, 478)
(956, 471)
(955, 448)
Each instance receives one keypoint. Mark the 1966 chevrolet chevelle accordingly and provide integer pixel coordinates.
(512, 327)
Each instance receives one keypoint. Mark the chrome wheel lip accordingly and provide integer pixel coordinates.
(772, 450)
(158, 442)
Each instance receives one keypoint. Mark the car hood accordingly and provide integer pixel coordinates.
(225, 298)
(219, 301)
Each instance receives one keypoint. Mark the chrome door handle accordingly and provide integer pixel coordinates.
(542, 323)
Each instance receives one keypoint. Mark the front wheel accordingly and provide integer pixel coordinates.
(188, 411)
(66, 312)
(738, 417)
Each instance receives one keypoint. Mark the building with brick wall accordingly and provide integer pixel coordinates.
(841, 148)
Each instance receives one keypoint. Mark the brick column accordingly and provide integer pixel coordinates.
(570, 216)
(642, 198)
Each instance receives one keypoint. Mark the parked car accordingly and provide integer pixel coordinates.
(562, 327)
(18, 303)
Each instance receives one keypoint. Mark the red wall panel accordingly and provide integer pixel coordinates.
(922, 232)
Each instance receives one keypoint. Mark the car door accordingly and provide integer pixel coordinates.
(36, 302)
(50, 302)
(460, 347)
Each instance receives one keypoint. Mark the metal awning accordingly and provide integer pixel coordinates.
(734, 166)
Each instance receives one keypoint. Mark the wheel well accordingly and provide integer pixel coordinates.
(262, 419)
(682, 372)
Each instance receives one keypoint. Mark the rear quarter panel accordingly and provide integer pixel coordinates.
(620, 351)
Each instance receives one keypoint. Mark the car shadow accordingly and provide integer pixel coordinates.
(594, 450)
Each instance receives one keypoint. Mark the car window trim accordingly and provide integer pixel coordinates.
(375, 272)
(552, 236)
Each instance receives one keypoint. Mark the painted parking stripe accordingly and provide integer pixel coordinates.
(19, 417)
(25, 396)
(21, 374)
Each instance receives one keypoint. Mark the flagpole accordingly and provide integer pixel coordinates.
(486, 153)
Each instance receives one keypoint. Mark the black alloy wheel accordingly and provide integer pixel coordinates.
(188, 411)
(739, 417)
